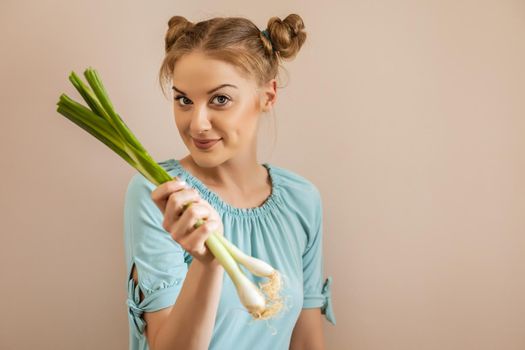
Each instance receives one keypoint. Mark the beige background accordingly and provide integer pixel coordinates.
(407, 115)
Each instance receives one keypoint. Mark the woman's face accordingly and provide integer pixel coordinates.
(213, 101)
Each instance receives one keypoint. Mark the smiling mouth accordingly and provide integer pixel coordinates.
(205, 144)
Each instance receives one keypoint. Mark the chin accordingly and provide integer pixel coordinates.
(205, 160)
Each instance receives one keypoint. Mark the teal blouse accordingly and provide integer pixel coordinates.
(285, 231)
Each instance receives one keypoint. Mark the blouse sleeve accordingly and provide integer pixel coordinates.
(159, 260)
(317, 292)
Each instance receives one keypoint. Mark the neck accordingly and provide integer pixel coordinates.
(241, 175)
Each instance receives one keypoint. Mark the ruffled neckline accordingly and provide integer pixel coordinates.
(272, 202)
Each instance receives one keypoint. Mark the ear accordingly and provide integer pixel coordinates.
(269, 95)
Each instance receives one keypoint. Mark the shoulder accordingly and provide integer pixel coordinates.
(297, 190)
(293, 182)
(302, 197)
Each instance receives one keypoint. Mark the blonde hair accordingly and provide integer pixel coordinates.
(234, 40)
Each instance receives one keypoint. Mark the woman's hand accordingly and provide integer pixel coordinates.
(173, 198)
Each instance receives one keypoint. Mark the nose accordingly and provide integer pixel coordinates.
(200, 120)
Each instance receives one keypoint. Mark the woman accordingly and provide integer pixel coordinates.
(223, 78)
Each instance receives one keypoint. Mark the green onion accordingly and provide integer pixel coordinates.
(101, 121)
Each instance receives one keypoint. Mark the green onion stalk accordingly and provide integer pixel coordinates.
(101, 121)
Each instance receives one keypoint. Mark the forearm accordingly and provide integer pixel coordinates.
(308, 331)
(192, 318)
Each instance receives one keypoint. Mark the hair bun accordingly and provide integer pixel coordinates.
(288, 35)
(177, 26)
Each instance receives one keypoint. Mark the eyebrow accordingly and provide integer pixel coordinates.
(209, 92)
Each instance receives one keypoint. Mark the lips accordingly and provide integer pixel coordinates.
(205, 143)
(205, 140)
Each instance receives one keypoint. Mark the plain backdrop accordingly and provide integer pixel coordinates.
(409, 116)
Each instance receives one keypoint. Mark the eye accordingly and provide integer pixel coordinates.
(222, 98)
(180, 97)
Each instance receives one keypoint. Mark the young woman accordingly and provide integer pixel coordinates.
(222, 73)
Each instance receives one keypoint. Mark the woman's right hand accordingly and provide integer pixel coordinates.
(171, 198)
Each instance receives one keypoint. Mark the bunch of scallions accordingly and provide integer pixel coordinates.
(101, 121)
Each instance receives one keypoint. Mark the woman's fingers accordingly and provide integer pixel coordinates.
(196, 240)
(186, 223)
(192, 215)
(192, 239)
(172, 198)
(176, 206)
(213, 216)
(161, 194)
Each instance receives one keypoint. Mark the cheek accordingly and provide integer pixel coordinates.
(241, 135)
(237, 128)
(179, 124)
(183, 128)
